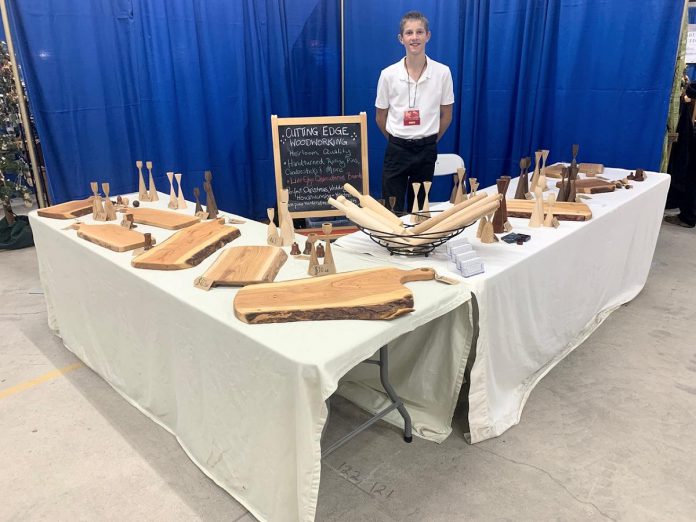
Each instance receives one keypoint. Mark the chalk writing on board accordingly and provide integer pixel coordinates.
(317, 160)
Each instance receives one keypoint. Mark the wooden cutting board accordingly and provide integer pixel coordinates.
(188, 247)
(589, 169)
(244, 265)
(375, 293)
(564, 211)
(161, 218)
(591, 186)
(113, 237)
(68, 210)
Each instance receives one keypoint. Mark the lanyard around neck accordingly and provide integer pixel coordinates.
(408, 81)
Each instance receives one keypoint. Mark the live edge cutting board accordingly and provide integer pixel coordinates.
(161, 218)
(68, 210)
(188, 247)
(375, 293)
(113, 237)
(243, 265)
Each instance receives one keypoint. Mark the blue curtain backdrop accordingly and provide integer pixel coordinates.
(188, 84)
(530, 74)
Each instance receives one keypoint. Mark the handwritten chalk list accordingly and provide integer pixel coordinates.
(315, 157)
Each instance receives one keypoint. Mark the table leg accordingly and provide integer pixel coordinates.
(397, 404)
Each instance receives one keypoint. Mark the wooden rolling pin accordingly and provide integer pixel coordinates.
(368, 201)
(368, 211)
(461, 219)
(425, 225)
(359, 216)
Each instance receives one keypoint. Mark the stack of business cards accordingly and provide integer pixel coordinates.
(463, 256)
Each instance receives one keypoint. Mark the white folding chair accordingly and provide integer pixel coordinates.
(447, 164)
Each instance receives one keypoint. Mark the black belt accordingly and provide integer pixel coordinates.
(419, 142)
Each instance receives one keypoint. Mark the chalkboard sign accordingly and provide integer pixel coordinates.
(315, 157)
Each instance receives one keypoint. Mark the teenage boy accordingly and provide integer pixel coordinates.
(414, 108)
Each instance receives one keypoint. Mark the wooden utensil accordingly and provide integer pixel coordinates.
(152, 190)
(161, 218)
(188, 247)
(376, 293)
(243, 265)
(69, 209)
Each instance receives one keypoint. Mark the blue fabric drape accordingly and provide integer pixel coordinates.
(531, 74)
(188, 84)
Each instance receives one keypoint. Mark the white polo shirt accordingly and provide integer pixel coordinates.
(395, 88)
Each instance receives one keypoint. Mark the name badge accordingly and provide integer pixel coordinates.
(411, 117)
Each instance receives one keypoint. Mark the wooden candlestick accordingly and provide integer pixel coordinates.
(415, 209)
(180, 201)
(523, 182)
(329, 266)
(211, 205)
(142, 192)
(426, 202)
(152, 190)
(272, 236)
(109, 211)
(455, 189)
(551, 220)
(542, 174)
(537, 168)
(537, 217)
(173, 203)
(461, 172)
(197, 196)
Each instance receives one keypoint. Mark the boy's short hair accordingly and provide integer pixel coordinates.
(414, 16)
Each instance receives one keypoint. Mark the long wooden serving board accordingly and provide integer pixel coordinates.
(68, 210)
(161, 218)
(244, 265)
(564, 211)
(188, 247)
(113, 237)
(375, 293)
(591, 186)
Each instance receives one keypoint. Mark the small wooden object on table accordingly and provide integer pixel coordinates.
(455, 189)
(638, 175)
(243, 265)
(461, 190)
(376, 293)
(551, 220)
(188, 247)
(523, 182)
(415, 209)
(537, 218)
(564, 211)
(287, 230)
(591, 186)
(425, 211)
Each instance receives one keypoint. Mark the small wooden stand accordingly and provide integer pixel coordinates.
(426, 201)
(328, 266)
(455, 189)
(461, 191)
(523, 182)
(500, 219)
(551, 220)
(537, 218)
(487, 232)
(98, 212)
(197, 195)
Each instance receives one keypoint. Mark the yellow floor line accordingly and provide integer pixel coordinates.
(39, 380)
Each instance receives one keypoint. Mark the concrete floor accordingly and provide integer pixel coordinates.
(610, 433)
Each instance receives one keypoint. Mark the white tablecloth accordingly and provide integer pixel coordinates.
(246, 402)
(539, 301)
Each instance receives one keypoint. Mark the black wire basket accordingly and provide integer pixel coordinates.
(397, 245)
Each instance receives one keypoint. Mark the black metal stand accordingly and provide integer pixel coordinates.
(397, 404)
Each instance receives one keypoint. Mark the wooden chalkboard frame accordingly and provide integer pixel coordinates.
(331, 120)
